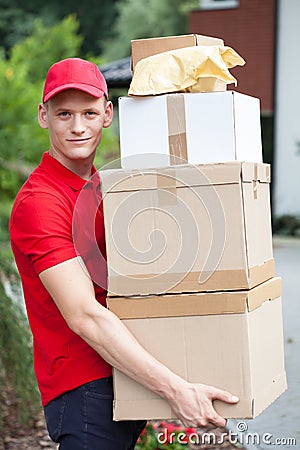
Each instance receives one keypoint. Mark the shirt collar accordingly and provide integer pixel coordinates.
(57, 170)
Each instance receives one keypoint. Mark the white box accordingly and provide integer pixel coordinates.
(195, 127)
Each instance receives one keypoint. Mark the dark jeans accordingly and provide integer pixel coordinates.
(81, 419)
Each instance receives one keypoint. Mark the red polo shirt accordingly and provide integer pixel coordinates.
(44, 233)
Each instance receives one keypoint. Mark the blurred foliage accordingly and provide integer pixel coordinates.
(109, 24)
(21, 81)
(16, 360)
(37, 57)
(22, 143)
(267, 128)
(138, 19)
(17, 20)
(287, 225)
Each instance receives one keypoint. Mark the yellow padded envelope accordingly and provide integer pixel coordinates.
(189, 69)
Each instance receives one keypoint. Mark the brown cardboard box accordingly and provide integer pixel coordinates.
(187, 228)
(142, 48)
(230, 340)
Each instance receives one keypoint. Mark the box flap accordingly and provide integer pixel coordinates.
(269, 290)
(196, 304)
(208, 40)
(142, 48)
(183, 175)
(177, 305)
(256, 172)
(174, 282)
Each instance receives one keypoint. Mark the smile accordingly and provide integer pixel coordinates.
(78, 141)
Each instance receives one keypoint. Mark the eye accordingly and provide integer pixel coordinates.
(91, 113)
(64, 114)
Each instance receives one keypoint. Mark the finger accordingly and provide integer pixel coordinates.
(213, 418)
(224, 396)
(211, 422)
(218, 421)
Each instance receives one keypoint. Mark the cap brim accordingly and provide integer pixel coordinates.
(95, 92)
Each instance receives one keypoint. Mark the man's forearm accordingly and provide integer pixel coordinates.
(106, 334)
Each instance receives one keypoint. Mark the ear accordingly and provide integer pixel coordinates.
(108, 115)
(42, 116)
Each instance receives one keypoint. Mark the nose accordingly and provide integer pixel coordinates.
(78, 126)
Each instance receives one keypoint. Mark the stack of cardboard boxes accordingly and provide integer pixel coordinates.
(189, 245)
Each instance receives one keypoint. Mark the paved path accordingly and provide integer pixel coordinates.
(282, 418)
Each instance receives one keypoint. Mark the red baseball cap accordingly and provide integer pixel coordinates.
(74, 73)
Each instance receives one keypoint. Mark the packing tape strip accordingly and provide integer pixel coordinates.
(177, 129)
(166, 187)
(255, 175)
(219, 280)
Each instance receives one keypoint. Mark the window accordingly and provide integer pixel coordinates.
(218, 4)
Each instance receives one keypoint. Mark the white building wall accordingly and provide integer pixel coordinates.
(287, 111)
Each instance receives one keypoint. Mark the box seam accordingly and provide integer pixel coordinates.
(245, 226)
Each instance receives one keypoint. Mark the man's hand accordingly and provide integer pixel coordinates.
(193, 405)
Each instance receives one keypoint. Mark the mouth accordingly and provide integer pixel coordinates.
(79, 141)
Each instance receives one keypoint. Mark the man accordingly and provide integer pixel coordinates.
(76, 338)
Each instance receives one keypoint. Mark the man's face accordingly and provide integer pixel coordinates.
(75, 121)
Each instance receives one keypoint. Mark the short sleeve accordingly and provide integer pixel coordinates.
(41, 229)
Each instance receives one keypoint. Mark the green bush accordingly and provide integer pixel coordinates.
(22, 143)
(16, 360)
(287, 225)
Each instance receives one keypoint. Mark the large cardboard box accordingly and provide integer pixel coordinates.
(142, 48)
(187, 228)
(230, 340)
(195, 127)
